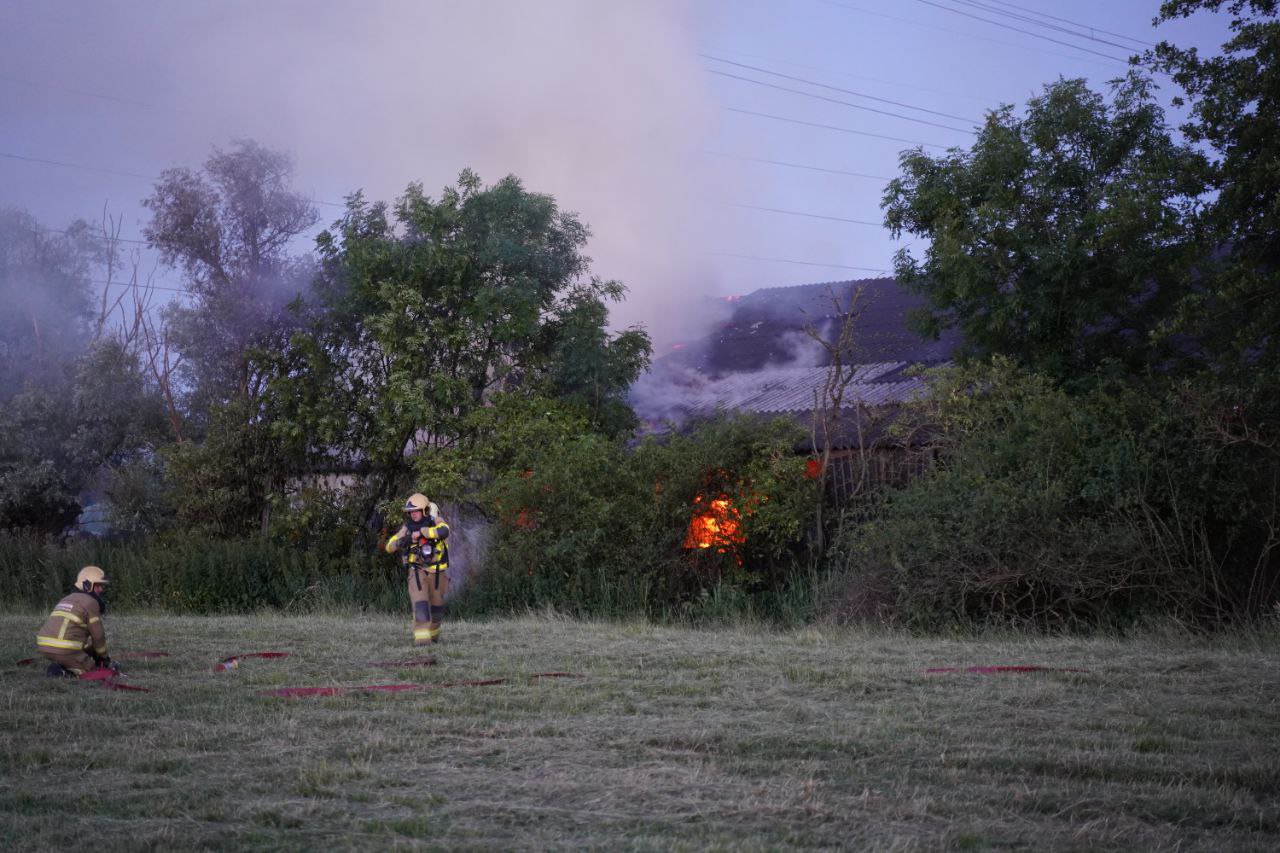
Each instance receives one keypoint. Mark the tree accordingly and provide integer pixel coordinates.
(1235, 111)
(229, 229)
(54, 438)
(45, 288)
(1060, 238)
(428, 309)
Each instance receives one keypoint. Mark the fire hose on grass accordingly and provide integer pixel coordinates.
(110, 678)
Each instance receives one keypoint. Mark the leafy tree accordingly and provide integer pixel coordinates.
(55, 438)
(229, 228)
(45, 288)
(428, 309)
(1059, 239)
(1235, 111)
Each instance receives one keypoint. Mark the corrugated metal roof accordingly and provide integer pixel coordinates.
(795, 389)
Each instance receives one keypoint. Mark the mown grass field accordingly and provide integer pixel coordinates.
(736, 738)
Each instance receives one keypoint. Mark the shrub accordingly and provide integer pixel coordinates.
(589, 525)
(1049, 508)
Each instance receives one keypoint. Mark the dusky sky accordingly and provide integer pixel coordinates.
(713, 146)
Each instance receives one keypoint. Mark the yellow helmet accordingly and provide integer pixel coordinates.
(89, 576)
(417, 501)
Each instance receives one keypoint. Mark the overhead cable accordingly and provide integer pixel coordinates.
(801, 263)
(1090, 27)
(1031, 33)
(1040, 50)
(838, 89)
(798, 165)
(837, 101)
(810, 215)
(834, 127)
(67, 165)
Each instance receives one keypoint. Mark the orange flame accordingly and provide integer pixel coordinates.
(718, 525)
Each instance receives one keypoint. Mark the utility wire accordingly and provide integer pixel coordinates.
(1090, 27)
(775, 60)
(837, 101)
(66, 165)
(94, 236)
(810, 215)
(140, 286)
(76, 166)
(1024, 32)
(952, 30)
(833, 127)
(88, 94)
(838, 89)
(798, 165)
(801, 263)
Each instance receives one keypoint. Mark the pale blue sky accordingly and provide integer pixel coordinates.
(611, 107)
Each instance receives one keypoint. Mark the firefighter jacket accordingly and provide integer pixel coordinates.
(423, 544)
(75, 625)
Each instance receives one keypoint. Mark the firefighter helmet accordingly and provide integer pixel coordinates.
(417, 501)
(88, 577)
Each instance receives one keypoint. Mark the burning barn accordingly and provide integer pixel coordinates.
(775, 352)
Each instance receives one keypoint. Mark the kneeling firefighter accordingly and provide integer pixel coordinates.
(420, 541)
(73, 638)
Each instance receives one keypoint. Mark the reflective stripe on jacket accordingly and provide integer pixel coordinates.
(75, 624)
(432, 553)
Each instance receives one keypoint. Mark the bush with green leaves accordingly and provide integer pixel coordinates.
(593, 526)
(1049, 509)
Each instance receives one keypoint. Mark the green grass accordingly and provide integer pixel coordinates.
(734, 738)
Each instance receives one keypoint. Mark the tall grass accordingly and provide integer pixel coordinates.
(197, 576)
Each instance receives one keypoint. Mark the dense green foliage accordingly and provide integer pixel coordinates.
(589, 525)
(1234, 99)
(428, 309)
(1049, 508)
(1060, 238)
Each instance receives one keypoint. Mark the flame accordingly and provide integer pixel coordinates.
(718, 525)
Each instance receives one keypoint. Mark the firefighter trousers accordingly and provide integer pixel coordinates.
(77, 662)
(427, 588)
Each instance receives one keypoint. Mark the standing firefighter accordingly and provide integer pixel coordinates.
(72, 638)
(420, 541)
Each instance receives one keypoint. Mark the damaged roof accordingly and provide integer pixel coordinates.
(767, 328)
(762, 357)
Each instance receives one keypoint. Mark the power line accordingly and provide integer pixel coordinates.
(837, 101)
(833, 127)
(66, 165)
(1024, 32)
(838, 89)
(810, 215)
(954, 31)
(801, 263)
(95, 236)
(819, 68)
(86, 93)
(1090, 27)
(798, 165)
(76, 166)
(140, 286)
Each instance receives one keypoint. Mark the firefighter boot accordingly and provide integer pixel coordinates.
(437, 619)
(423, 635)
